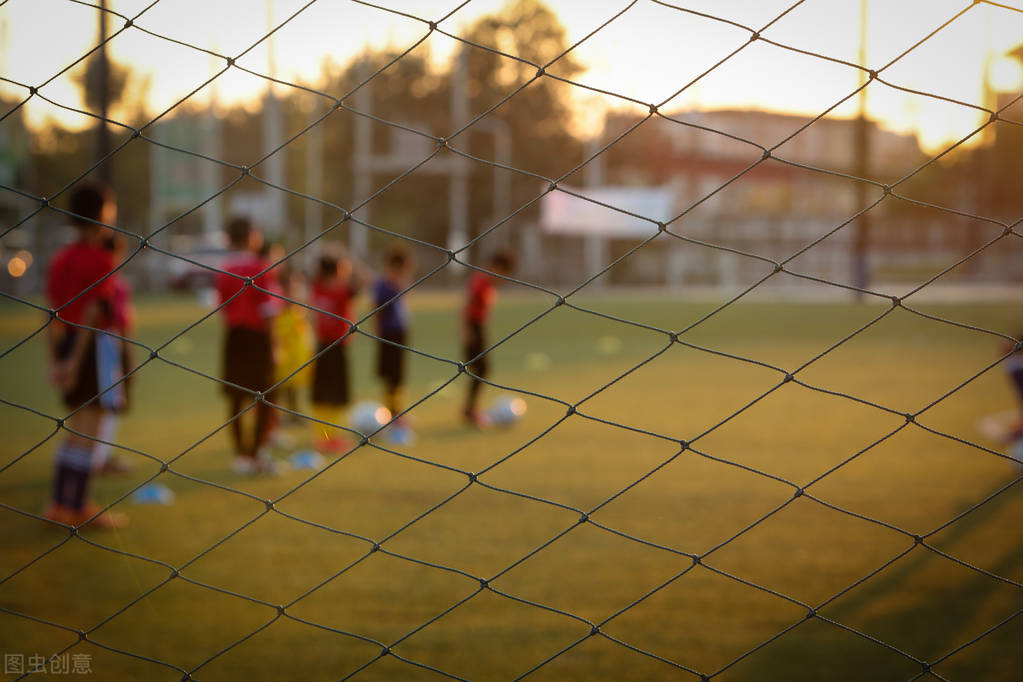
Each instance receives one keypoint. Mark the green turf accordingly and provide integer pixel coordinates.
(923, 605)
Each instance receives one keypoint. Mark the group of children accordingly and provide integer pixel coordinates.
(279, 332)
(266, 308)
(269, 341)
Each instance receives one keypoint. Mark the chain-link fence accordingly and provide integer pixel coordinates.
(756, 257)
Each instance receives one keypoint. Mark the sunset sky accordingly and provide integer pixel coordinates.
(648, 53)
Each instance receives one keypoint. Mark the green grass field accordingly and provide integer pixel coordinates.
(923, 604)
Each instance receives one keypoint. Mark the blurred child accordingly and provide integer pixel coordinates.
(392, 325)
(248, 344)
(480, 298)
(332, 291)
(272, 254)
(84, 363)
(294, 336)
(123, 319)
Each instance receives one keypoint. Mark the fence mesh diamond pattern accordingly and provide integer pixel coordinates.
(493, 589)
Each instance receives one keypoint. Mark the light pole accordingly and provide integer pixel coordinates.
(273, 126)
(102, 85)
(861, 156)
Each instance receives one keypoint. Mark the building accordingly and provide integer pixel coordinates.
(729, 195)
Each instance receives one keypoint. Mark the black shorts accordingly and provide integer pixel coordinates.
(330, 375)
(476, 344)
(391, 358)
(248, 360)
(86, 384)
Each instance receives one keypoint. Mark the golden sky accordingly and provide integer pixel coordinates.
(648, 53)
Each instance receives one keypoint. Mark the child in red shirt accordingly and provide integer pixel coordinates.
(80, 288)
(248, 365)
(332, 290)
(481, 295)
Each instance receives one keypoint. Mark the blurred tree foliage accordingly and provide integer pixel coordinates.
(504, 89)
(414, 91)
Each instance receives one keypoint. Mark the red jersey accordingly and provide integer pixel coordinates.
(337, 300)
(253, 307)
(480, 298)
(74, 269)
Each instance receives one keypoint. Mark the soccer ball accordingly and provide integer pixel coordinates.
(368, 417)
(506, 410)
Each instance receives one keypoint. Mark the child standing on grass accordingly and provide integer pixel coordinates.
(392, 325)
(481, 295)
(84, 363)
(333, 290)
(248, 345)
(294, 335)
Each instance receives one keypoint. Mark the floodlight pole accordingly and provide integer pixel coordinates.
(595, 245)
(861, 154)
(501, 204)
(209, 171)
(361, 161)
(314, 184)
(458, 235)
(102, 86)
(273, 126)
(983, 155)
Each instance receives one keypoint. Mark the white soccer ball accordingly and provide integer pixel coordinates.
(506, 410)
(367, 417)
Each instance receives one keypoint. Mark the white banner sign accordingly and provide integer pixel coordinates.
(562, 213)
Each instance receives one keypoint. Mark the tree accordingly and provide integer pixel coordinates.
(539, 117)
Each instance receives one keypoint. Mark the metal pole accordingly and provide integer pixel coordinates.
(102, 86)
(273, 126)
(501, 204)
(861, 154)
(210, 172)
(363, 149)
(502, 178)
(314, 184)
(156, 263)
(595, 245)
(458, 234)
(983, 156)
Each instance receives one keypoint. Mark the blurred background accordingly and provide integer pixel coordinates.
(833, 455)
(275, 109)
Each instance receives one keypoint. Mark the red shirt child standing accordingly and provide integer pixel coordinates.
(333, 291)
(481, 294)
(248, 346)
(79, 287)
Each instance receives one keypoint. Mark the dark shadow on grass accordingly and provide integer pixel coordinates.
(926, 629)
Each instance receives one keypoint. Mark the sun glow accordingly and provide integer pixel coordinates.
(651, 53)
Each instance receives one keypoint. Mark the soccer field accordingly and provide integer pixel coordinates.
(766, 553)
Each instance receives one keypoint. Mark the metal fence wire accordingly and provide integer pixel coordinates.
(666, 231)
